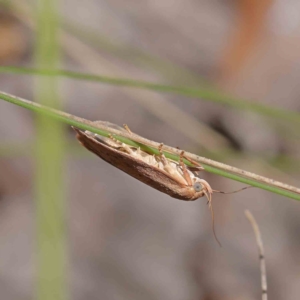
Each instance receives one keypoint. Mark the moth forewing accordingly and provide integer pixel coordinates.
(135, 166)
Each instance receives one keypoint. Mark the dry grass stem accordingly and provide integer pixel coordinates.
(259, 242)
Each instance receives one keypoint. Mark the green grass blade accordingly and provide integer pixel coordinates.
(50, 210)
(210, 165)
(206, 93)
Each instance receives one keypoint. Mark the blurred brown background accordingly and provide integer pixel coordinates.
(126, 240)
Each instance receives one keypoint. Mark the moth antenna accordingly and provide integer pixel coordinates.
(209, 201)
(242, 189)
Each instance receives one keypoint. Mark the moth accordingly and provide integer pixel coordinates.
(173, 178)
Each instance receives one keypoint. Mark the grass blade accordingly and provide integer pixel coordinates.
(151, 146)
(206, 93)
(51, 239)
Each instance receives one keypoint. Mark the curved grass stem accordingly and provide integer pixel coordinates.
(206, 93)
(151, 146)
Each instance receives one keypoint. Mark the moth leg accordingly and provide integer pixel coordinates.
(151, 160)
(198, 166)
(170, 169)
(186, 174)
(138, 151)
(115, 140)
(162, 156)
(127, 128)
(165, 162)
(122, 145)
(160, 149)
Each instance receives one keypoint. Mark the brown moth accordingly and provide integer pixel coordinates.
(167, 176)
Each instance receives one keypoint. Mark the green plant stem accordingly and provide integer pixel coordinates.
(150, 146)
(49, 181)
(209, 94)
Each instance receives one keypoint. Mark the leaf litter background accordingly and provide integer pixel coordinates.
(126, 240)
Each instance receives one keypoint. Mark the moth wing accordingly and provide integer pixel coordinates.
(148, 174)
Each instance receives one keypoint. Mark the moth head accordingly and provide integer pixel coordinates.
(198, 187)
(203, 187)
